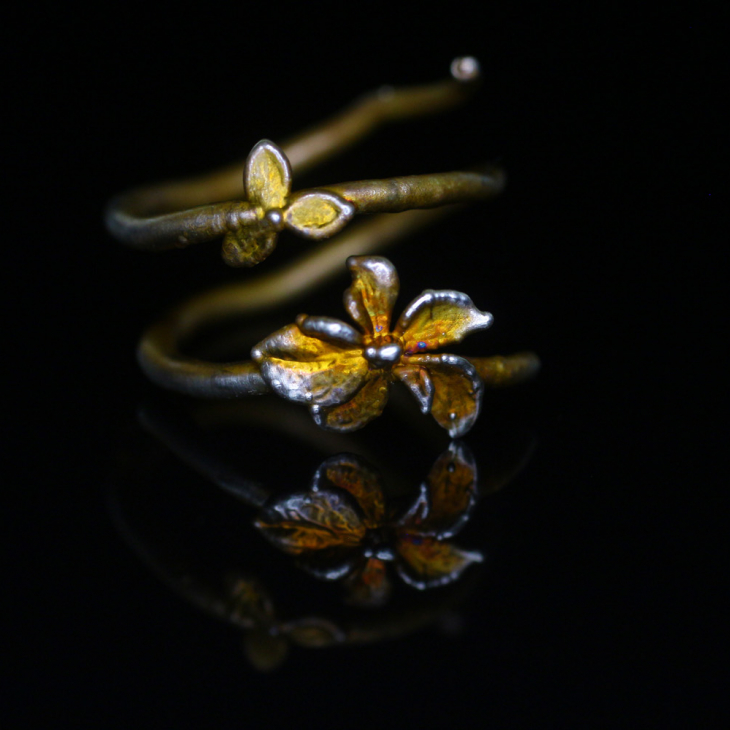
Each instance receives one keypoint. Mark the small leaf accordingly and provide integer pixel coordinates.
(368, 403)
(265, 651)
(309, 370)
(267, 177)
(425, 562)
(451, 488)
(246, 248)
(348, 472)
(418, 381)
(370, 298)
(312, 521)
(318, 214)
(457, 391)
(439, 318)
(369, 587)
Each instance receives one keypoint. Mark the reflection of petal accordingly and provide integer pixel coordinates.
(308, 370)
(373, 292)
(251, 604)
(426, 562)
(370, 586)
(313, 632)
(311, 521)
(417, 380)
(366, 404)
(457, 391)
(264, 650)
(363, 483)
(331, 563)
(267, 178)
(451, 489)
(318, 214)
(245, 247)
(439, 318)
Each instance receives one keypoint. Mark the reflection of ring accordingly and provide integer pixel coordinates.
(175, 215)
(342, 373)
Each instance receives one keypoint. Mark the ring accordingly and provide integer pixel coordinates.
(249, 219)
(343, 373)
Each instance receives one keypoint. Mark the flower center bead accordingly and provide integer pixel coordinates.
(384, 356)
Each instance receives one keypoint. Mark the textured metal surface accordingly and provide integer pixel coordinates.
(250, 216)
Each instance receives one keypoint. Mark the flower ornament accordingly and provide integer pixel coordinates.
(344, 374)
(344, 527)
(267, 183)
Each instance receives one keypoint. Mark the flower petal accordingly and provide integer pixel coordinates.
(318, 214)
(419, 383)
(450, 495)
(425, 562)
(308, 521)
(438, 318)
(246, 247)
(330, 330)
(308, 370)
(366, 404)
(373, 292)
(458, 390)
(346, 471)
(267, 177)
(369, 587)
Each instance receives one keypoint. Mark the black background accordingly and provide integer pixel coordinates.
(601, 603)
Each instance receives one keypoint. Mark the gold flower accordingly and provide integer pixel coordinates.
(344, 527)
(344, 375)
(267, 183)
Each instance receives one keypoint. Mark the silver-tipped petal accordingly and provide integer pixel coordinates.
(329, 329)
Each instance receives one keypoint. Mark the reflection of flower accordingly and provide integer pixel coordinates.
(343, 526)
(344, 375)
(267, 183)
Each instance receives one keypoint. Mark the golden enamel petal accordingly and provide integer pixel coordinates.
(418, 381)
(318, 214)
(425, 562)
(347, 472)
(310, 521)
(457, 395)
(366, 404)
(373, 292)
(439, 318)
(451, 488)
(370, 586)
(267, 177)
(309, 370)
(247, 248)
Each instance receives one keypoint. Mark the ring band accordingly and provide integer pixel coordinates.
(178, 214)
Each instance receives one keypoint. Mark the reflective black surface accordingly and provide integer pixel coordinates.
(599, 602)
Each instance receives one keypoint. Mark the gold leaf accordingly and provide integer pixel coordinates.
(438, 318)
(366, 404)
(425, 562)
(267, 177)
(372, 294)
(318, 214)
(308, 370)
(244, 248)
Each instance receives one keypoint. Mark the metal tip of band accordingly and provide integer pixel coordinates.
(465, 68)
